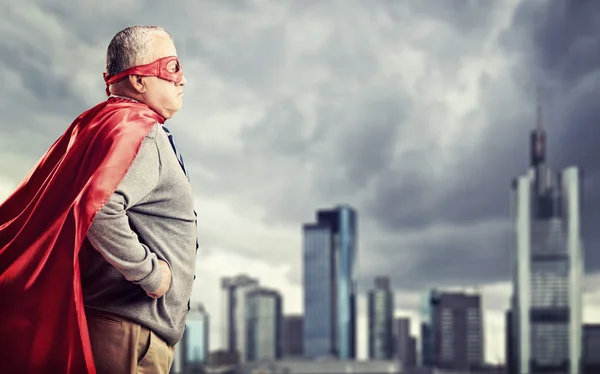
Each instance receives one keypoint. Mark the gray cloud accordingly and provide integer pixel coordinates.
(564, 45)
(549, 47)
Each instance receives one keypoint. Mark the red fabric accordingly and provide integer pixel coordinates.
(43, 225)
(158, 68)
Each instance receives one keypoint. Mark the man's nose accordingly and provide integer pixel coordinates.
(183, 81)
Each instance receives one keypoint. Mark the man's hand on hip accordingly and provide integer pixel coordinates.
(165, 282)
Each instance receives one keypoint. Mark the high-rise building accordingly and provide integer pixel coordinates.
(292, 336)
(319, 335)
(380, 320)
(411, 357)
(194, 346)
(511, 364)
(264, 324)
(457, 329)
(428, 343)
(403, 341)
(234, 291)
(547, 265)
(330, 284)
(591, 349)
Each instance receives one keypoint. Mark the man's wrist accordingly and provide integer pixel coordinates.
(152, 282)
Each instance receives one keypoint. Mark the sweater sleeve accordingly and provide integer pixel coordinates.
(111, 233)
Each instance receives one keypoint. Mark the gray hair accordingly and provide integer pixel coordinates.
(132, 46)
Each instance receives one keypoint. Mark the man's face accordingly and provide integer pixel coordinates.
(163, 96)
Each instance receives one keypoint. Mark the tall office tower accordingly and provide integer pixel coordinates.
(411, 359)
(547, 265)
(264, 323)
(194, 346)
(234, 312)
(591, 349)
(381, 317)
(330, 284)
(403, 341)
(428, 343)
(511, 364)
(457, 327)
(292, 336)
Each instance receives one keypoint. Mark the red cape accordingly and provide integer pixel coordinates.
(43, 225)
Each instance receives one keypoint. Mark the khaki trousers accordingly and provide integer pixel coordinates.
(121, 346)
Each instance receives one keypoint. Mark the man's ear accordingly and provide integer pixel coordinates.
(138, 83)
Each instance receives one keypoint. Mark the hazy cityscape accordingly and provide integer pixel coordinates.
(544, 330)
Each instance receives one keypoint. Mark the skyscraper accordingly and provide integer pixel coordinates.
(264, 324)
(591, 347)
(194, 344)
(411, 360)
(511, 365)
(380, 317)
(234, 312)
(547, 265)
(404, 343)
(457, 328)
(292, 336)
(330, 284)
(428, 343)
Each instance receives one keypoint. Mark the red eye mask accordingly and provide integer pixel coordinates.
(167, 68)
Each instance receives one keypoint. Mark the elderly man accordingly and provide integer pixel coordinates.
(147, 227)
(98, 243)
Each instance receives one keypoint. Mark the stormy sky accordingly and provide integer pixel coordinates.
(415, 112)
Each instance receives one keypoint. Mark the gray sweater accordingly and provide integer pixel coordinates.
(149, 217)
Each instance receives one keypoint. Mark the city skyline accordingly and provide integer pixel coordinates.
(416, 114)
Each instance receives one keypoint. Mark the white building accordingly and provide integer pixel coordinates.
(234, 291)
(547, 266)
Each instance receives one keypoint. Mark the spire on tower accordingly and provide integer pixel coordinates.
(538, 136)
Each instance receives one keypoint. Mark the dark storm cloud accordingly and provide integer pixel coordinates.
(441, 256)
(564, 45)
(75, 17)
(361, 134)
(285, 139)
(475, 186)
(474, 189)
(466, 16)
(477, 189)
(439, 217)
(33, 66)
(37, 100)
(252, 59)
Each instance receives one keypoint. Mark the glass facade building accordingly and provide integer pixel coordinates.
(196, 336)
(459, 331)
(591, 347)
(405, 344)
(428, 343)
(192, 351)
(319, 293)
(330, 284)
(264, 313)
(380, 319)
(547, 267)
(234, 291)
(293, 336)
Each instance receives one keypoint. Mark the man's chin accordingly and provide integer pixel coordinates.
(174, 111)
